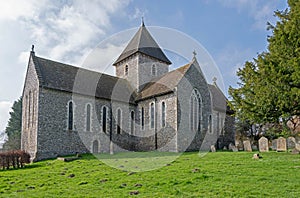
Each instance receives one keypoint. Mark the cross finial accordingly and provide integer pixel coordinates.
(214, 80)
(194, 53)
(143, 21)
(32, 48)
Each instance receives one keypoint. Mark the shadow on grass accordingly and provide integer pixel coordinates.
(123, 155)
(27, 166)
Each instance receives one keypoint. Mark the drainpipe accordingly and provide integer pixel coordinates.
(155, 122)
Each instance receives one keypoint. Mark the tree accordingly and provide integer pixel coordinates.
(13, 129)
(269, 86)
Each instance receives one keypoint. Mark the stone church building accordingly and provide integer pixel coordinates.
(145, 107)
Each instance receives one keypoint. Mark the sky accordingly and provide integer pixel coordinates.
(231, 31)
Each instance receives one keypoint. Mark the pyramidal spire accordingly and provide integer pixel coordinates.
(144, 43)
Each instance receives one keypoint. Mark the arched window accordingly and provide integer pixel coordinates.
(104, 119)
(33, 103)
(218, 122)
(210, 124)
(88, 117)
(195, 111)
(132, 122)
(192, 113)
(163, 114)
(95, 146)
(152, 115)
(126, 70)
(119, 121)
(70, 115)
(153, 70)
(29, 109)
(143, 118)
(26, 111)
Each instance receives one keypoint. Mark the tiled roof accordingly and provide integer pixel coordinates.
(144, 43)
(163, 84)
(63, 77)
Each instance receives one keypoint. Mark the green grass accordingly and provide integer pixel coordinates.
(220, 174)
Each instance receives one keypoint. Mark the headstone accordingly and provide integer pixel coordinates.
(235, 149)
(212, 148)
(230, 146)
(295, 151)
(281, 144)
(263, 144)
(291, 142)
(274, 144)
(297, 146)
(224, 148)
(254, 148)
(247, 146)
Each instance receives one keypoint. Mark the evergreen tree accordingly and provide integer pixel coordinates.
(13, 129)
(269, 86)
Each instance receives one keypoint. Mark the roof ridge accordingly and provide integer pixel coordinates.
(77, 67)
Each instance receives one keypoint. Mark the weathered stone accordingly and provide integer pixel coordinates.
(274, 145)
(58, 122)
(295, 151)
(234, 149)
(297, 146)
(247, 146)
(254, 147)
(291, 142)
(281, 144)
(263, 144)
(212, 148)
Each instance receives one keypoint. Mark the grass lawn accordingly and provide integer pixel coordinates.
(220, 174)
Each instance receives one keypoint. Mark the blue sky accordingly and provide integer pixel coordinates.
(232, 31)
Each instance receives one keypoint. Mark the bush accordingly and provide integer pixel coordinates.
(15, 159)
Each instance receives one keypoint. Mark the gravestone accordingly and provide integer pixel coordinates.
(291, 142)
(254, 148)
(212, 148)
(295, 151)
(263, 144)
(234, 149)
(274, 145)
(230, 146)
(247, 146)
(281, 144)
(297, 146)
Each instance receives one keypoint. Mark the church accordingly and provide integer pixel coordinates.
(144, 107)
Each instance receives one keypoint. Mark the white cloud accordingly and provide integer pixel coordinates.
(63, 31)
(5, 107)
(100, 59)
(60, 30)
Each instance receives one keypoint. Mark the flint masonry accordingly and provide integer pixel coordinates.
(145, 107)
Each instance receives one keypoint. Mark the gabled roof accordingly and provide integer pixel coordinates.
(163, 84)
(144, 43)
(63, 77)
(219, 101)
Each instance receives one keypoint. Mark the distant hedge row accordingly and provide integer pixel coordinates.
(14, 159)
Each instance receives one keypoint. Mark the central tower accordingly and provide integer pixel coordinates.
(142, 60)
